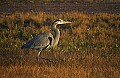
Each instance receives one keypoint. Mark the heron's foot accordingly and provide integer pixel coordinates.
(38, 59)
(46, 59)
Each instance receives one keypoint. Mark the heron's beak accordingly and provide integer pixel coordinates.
(66, 22)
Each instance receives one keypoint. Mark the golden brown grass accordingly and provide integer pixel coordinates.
(88, 48)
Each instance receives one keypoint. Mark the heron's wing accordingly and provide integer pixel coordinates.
(40, 42)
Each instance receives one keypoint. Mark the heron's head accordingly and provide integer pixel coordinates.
(62, 22)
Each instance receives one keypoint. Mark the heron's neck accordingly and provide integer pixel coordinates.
(57, 34)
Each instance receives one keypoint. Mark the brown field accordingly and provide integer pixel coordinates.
(88, 48)
(61, 7)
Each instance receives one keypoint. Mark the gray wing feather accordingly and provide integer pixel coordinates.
(39, 42)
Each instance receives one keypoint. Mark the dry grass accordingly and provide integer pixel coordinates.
(88, 48)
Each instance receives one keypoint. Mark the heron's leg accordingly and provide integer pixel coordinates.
(39, 53)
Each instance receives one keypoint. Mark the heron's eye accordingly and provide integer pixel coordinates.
(59, 20)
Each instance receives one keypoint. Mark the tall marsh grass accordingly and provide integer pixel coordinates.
(88, 48)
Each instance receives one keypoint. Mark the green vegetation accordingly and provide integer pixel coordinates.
(89, 47)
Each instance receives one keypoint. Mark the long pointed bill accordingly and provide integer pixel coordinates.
(66, 22)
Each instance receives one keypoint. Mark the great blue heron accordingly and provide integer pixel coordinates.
(45, 40)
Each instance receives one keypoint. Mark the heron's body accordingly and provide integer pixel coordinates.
(40, 42)
(46, 39)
